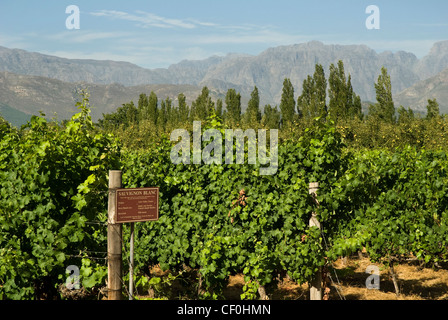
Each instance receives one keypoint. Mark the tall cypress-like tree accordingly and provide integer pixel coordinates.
(306, 99)
(320, 89)
(337, 91)
(432, 109)
(344, 102)
(131, 113)
(233, 106)
(171, 114)
(253, 114)
(163, 116)
(271, 117)
(202, 106)
(384, 108)
(152, 108)
(405, 116)
(143, 111)
(312, 102)
(182, 108)
(354, 107)
(287, 103)
(219, 108)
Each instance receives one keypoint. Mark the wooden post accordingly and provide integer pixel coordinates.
(131, 264)
(114, 241)
(316, 282)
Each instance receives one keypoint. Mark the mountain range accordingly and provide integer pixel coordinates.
(31, 81)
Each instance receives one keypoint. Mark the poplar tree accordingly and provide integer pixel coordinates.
(432, 109)
(163, 117)
(152, 108)
(131, 113)
(233, 106)
(143, 111)
(201, 107)
(271, 117)
(354, 107)
(253, 114)
(182, 108)
(287, 103)
(219, 108)
(405, 116)
(384, 108)
(171, 114)
(337, 91)
(312, 102)
(344, 102)
(320, 89)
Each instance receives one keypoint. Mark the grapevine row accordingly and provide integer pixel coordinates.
(219, 220)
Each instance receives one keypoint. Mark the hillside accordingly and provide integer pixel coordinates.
(266, 70)
(417, 96)
(14, 116)
(31, 81)
(75, 70)
(103, 71)
(31, 94)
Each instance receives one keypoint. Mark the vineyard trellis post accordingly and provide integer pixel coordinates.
(316, 282)
(114, 239)
(131, 264)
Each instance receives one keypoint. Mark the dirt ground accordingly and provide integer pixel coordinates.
(349, 283)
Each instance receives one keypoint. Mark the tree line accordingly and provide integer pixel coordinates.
(332, 99)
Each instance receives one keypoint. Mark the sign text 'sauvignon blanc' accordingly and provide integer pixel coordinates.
(141, 204)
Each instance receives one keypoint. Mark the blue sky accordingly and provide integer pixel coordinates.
(156, 34)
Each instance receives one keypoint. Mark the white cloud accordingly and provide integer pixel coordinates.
(207, 32)
(147, 19)
(155, 20)
(201, 23)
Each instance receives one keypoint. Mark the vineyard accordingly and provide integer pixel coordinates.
(216, 221)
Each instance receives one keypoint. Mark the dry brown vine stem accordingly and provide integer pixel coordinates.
(241, 201)
(326, 293)
(326, 282)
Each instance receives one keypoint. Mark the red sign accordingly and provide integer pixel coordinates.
(139, 204)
